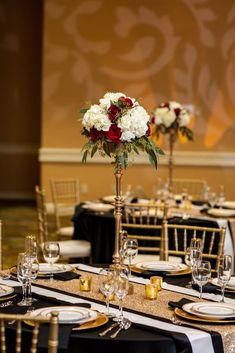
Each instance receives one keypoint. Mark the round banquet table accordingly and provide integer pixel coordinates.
(99, 229)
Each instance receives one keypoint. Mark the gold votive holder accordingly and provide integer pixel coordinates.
(85, 284)
(151, 291)
(157, 280)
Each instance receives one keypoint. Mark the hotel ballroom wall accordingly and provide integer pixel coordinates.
(181, 50)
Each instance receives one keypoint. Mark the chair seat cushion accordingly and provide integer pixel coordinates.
(75, 248)
(66, 231)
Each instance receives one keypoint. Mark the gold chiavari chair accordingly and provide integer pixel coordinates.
(194, 187)
(144, 223)
(65, 196)
(177, 238)
(37, 321)
(68, 248)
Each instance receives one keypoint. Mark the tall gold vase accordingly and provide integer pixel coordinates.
(117, 211)
(170, 162)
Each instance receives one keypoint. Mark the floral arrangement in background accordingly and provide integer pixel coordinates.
(171, 117)
(118, 127)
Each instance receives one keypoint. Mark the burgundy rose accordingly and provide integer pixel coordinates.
(127, 102)
(177, 111)
(113, 112)
(114, 134)
(96, 134)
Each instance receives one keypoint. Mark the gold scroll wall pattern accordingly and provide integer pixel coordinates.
(158, 50)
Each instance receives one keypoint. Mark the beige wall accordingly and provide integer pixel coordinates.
(157, 50)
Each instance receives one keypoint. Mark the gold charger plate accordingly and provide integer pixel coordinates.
(100, 320)
(13, 272)
(184, 315)
(175, 273)
(10, 296)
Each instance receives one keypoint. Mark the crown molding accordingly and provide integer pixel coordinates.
(181, 158)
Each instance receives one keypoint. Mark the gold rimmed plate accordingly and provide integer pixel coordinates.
(186, 316)
(44, 269)
(100, 320)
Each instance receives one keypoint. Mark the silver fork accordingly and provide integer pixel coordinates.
(176, 321)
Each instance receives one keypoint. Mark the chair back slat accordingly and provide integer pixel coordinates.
(52, 344)
(177, 239)
(41, 215)
(141, 221)
(0, 245)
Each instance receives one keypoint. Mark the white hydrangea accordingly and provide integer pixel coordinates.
(105, 102)
(134, 123)
(184, 118)
(96, 117)
(164, 116)
(175, 105)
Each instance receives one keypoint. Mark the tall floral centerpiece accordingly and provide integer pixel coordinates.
(172, 118)
(118, 127)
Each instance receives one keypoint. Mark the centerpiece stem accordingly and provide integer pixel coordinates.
(117, 211)
(171, 143)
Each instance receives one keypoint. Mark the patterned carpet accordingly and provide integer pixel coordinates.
(19, 220)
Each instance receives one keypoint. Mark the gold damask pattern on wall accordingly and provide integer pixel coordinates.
(158, 50)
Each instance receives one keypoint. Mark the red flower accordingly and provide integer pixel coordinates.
(177, 111)
(165, 105)
(96, 134)
(126, 101)
(114, 134)
(113, 112)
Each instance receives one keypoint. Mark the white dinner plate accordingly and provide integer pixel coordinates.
(229, 285)
(220, 212)
(98, 207)
(68, 314)
(5, 290)
(161, 266)
(45, 268)
(211, 310)
(229, 204)
(109, 198)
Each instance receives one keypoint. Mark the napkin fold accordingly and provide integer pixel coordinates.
(57, 302)
(66, 276)
(148, 274)
(179, 304)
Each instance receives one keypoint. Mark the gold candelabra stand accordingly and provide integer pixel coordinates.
(117, 211)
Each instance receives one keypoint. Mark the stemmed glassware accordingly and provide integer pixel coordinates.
(51, 254)
(121, 287)
(130, 247)
(193, 254)
(224, 272)
(201, 274)
(24, 268)
(106, 285)
(212, 199)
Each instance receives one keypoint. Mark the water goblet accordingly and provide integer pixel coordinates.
(192, 256)
(121, 286)
(196, 243)
(31, 245)
(224, 272)
(23, 276)
(131, 250)
(106, 285)
(201, 274)
(212, 199)
(51, 254)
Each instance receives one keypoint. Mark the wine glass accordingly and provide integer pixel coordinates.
(224, 272)
(192, 256)
(131, 250)
(212, 199)
(51, 254)
(201, 274)
(196, 243)
(106, 285)
(31, 245)
(121, 286)
(23, 276)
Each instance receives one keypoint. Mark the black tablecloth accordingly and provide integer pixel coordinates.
(99, 229)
